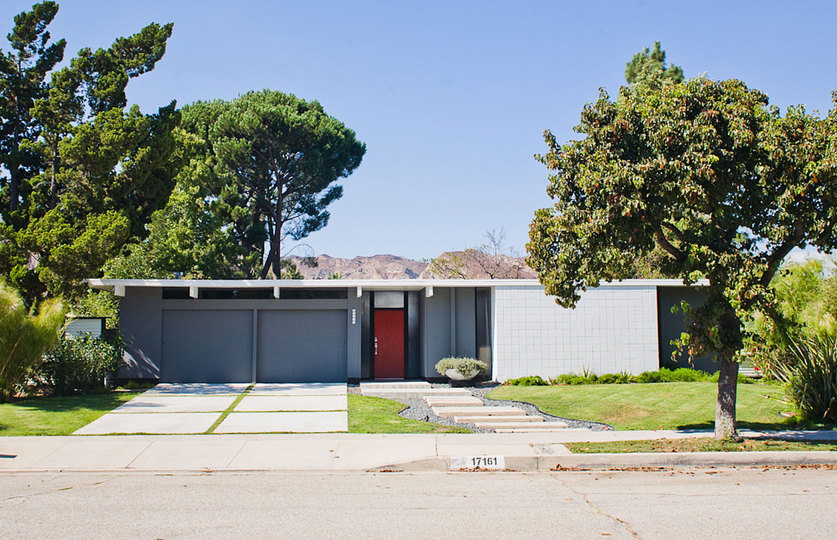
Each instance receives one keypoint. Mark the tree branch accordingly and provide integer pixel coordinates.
(663, 242)
(774, 260)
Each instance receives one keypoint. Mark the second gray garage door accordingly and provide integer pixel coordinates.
(302, 346)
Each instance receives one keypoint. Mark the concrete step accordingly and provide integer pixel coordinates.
(533, 426)
(393, 384)
(477, 411)
(503, 419)
(415, 392)
(453, 401)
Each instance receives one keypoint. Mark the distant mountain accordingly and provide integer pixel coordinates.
(375, 267)
(393, 267)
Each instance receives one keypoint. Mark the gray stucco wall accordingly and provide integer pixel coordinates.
(140, 320)
(436, 330)
(466, 323)
(448, 326)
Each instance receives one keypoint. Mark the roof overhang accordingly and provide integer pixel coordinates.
(118, 286)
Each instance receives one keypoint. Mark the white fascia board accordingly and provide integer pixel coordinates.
(367, 284)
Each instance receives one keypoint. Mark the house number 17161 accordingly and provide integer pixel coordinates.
(478, 462)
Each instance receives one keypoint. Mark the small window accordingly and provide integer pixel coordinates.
(313, 294)
(235, 294)
(175, 293)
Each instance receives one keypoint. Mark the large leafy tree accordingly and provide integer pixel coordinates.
(725, 185)
(279, 159)
(82, 174)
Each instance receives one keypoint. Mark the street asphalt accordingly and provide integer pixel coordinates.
(675, 503)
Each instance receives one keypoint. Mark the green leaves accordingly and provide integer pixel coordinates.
(282, 157)
(80, 175)
(704, 171)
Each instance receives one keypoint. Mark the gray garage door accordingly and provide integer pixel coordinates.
(302, 346)
(207, 346)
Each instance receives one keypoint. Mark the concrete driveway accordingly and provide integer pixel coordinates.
(229, 408)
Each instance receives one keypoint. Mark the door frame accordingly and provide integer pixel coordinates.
(373, 309)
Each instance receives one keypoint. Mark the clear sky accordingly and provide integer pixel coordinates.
(452, 97)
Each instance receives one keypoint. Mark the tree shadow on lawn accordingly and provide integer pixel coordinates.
(103, 402)
(788, 424)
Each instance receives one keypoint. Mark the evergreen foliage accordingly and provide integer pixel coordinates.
(81, 175)
(647, 70)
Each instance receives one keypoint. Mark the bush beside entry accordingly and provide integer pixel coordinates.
(79, 364)
(467, 367)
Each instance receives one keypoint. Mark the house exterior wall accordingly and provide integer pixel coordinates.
(141, 322)
(436, 329)
(612, 329)
(515, 327)
(448, 327)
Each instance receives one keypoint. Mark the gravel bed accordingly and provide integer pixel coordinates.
(418, 409)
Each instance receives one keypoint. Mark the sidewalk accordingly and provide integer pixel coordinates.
(345, 451)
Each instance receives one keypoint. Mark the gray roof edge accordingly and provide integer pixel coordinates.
(368, 284)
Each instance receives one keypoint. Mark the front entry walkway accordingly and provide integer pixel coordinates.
(229, 408)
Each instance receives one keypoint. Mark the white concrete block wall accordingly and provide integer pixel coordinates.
(613, 329)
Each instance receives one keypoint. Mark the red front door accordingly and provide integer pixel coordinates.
(388, 346)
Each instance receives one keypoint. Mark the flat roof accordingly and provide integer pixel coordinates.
(365, 284)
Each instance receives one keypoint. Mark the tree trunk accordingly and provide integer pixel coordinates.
(725, 407)
(14, 192)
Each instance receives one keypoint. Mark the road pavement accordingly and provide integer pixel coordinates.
(679, 503)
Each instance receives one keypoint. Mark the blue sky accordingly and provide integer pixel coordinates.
(452, 97)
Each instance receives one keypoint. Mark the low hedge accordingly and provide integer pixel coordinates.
(661, 376)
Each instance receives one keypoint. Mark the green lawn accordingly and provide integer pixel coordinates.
(56, 415)
(695, 445)
(377, 415)
(679, 405)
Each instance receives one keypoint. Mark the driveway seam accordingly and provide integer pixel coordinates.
(240, 449)
(128, 466)
(226, 412)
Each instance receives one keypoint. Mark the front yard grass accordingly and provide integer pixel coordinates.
(60, 415)
(678, 405)
(696, 445)
(377, 415)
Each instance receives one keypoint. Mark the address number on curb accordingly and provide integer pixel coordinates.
(478, 462)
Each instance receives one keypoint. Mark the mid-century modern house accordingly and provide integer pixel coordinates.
(350, 330)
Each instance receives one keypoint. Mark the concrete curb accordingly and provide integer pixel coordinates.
(634, 461)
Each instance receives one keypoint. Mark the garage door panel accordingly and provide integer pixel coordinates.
(211, 346)
(302, 346)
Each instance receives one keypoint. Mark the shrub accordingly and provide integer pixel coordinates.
(683, 375)
(533, 380)
(572, 379)
(79, 364)
(812, 377)
(608, 378)
(24, 336)
(649, 377)
(465, 366)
